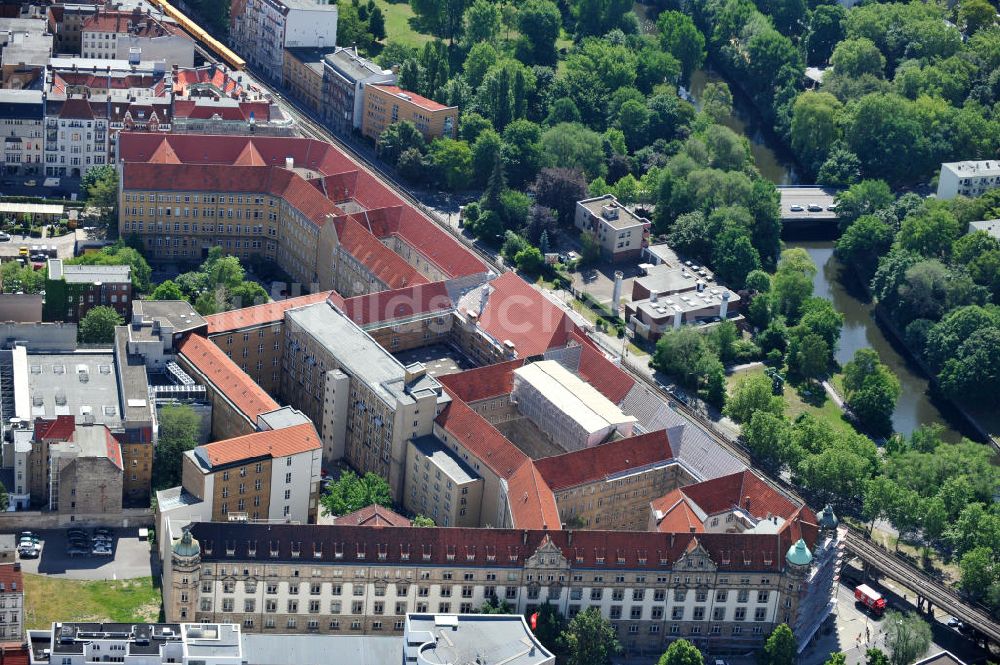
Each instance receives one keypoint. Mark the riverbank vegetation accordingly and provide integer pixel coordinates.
(906, 87)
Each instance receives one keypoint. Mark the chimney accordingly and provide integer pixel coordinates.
(678, 317)
(525, 537)
(746, 503)
(616, 295)
(653, 296)
(289, 163)
(724, 307)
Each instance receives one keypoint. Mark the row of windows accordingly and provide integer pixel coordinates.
(196, 198)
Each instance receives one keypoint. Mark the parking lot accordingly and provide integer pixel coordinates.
(130, 557)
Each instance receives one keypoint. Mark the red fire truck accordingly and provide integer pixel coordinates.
(873, 601)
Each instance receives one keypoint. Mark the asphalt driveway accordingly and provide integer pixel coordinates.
(130, 558)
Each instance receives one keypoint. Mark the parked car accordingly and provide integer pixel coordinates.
(29, 551)
(956, 623)
(78, 551)
(796, 208)
(814, 207)
(30, 183)
(4, 237)
(103, 530)
(29, 534)
(101, 550)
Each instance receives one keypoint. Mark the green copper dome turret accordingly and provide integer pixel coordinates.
(827, 520)
(187, 546)
(799, 554)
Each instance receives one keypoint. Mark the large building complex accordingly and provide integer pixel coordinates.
(123, 35)
(345, 88)
(261, 30)
(299, 202)
(969, 178)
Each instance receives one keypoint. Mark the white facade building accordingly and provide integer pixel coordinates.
(968, 178)
(261, 30)
(137, 644)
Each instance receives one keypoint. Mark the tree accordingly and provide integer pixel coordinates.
(677, 353)
(768, 436)
(494, 605)
(453, 160)
(98, 325)
(167, 290)
(872, 390)
(503, 95)
(424, 521)
(980, 571)
(590, 248)
(836, 659)
(522, 152)
(734, 257)
(482, 57)
(572, 145)
(974, 373)
(826, 30)
(560, 188)
(842, 168)
(482, 22)
(854, 58)
(21, 279)
(681, 652)
(443, 18)
(886, 132)
(815, 127)
(907, 636)
(863, 243)
(101, 185)
(549, 627)
(529, 260)
(717, 101)
(179, 431)
(350, 492)
(120, 254)
(4, 499)
(376, 23)
(633, 120)
(680, 38)
(792, 284)
(539, 22)
(780, 648)
(753, 394)
(929, 232)
(813, 357)
(397, 139)
(863, 198)
(597, 17)
(973, 15)
(590, 639)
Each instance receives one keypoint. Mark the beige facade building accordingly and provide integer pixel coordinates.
(365, 402)
(440, 484)
(724, 592)
(621, 233)
(302, 72)
(389, 104)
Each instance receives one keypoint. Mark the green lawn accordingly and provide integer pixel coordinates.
(49, 599)
(827, 410)
(397, 24)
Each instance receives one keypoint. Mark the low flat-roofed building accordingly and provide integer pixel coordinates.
(78, 643)
(990, 226)
(432, 639)
(653, 316)
(571, 411)
(621, 233)
(440, 484)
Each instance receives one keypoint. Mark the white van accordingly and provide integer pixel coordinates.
(51, 182)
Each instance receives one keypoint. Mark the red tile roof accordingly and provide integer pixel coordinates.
(268, 443)
(373, 515)
(605, 550)
(14, 654)
(484, 382)
(386, 265)
(11, 578)
(517, 312)
(590, 464)
(678, 516)
(412, 97)
(249, 317)
(338, 177)
(532, 504)
(611, 380)
(227, 377)
(209, 75)
(114, 448)
(481, 438)
(725, 493)
(411, 301)
(60, 428)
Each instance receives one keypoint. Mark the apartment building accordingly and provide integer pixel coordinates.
(272, 474)
(22, 120)
(302, 73)
(345, 78)
(261, 30)
(365, 403)
(11, 603)
(389, 104)
(299, 202)
(76, 135)
(124, 35)
(621, 234)
(254, 337)
(73, 290)
(723, 591)
(440, 484)
(25, 49)
(968, 178)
